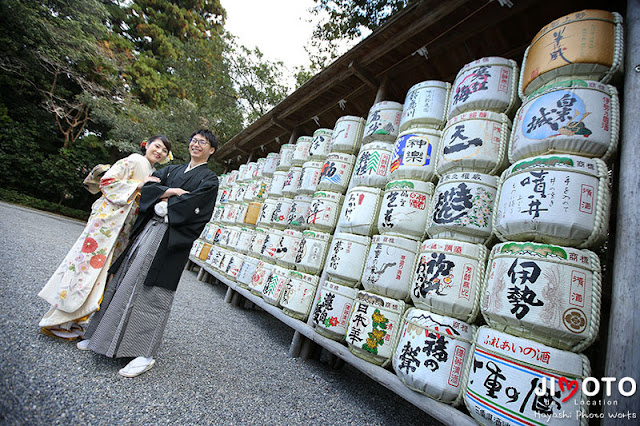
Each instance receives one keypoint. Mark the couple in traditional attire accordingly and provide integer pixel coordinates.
(174, 206)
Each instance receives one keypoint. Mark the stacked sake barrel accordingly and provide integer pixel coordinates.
(541, 294)
(388, 221)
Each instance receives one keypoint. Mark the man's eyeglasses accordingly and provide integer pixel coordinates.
(202, 142)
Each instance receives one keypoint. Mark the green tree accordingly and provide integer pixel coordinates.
(345, 20)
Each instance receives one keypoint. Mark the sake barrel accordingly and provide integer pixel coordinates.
(310, 177)
(271, 164)
(297, 297)
(332, 309)
(513, 380)
(253, 186)
(219, 259)
(237, 192)
(213, 259)
(474, 141)
(573, 117)
(487, 84)
(244, 240)
(346, 258)
(251, 171)
(241, 213)
(389, 266)
(462, 207)
(224, 260)
(230, 213)
(561, 199)
(257, 241)
(374, 327)
(292, 182)
(242, 170)
(324, 211)
(238, 195)
(286, 155)
(247, 269)
(383, 122)
(312, 251)
(271, 245)
(431, 354)
(373, 164)
(544, 292)
(447, 278)
(234, 236)
(235, 263)
(584, 45)
(218, 214)
(274, 285)
(320, 145)
(261, 162)
(281, 213)
(299, 212)
(266, 211)
(223, 196)
(253, 213)
(360, 210)
(224, 236)
(265, 187)
(336, 172)
(347, 134)
(289, 246)
(414, 154)
(259, 277)
(196, 248)
(211, 231)
(233, 176)
(216, 233)
(301, 151)
(205, 231)
(426, 105)
(404, 208)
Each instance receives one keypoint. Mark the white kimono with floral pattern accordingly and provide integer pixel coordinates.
(76, 288)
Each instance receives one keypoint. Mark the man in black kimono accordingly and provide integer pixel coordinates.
(137, 301)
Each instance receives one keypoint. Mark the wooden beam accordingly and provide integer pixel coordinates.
(282, 124)
(364, 75)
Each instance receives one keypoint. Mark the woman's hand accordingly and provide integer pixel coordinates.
(148, 179)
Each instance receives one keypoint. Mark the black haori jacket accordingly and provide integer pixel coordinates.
(188, 215)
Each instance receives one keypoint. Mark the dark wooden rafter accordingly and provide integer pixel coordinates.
(364, 75)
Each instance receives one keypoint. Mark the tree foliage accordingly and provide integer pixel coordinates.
(85, 81)
(345, 21)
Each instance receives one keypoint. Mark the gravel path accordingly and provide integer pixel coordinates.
(217, 365)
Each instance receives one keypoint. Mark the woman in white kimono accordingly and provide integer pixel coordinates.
(76, 288)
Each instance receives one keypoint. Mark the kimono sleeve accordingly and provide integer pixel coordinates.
(152, 191)
(197, 205)
(117, 184)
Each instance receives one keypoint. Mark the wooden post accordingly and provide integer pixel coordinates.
(296, 345)
(623, 354)
(201, 274)
(229, 295)
(308, 347)
(382, 90)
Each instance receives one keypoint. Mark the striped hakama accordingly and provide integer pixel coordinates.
(133, 316)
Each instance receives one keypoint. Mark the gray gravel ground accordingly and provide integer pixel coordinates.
(217, 365)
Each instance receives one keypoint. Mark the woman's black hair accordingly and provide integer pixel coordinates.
(162, 138)
(208, 135)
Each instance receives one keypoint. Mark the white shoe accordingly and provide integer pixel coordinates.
(83, 345)
(137, 366)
